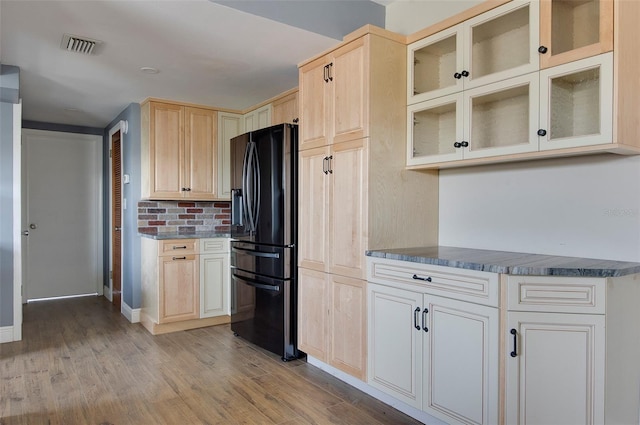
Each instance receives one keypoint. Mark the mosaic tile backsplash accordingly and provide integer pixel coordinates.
(183, 217)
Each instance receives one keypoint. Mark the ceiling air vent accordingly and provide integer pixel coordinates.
(74, 43)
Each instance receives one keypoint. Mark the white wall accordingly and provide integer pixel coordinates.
(586, 207)
(409, 16)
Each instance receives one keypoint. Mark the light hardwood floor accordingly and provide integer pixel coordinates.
(82, 362)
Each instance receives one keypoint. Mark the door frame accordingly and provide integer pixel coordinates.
(17, 221)
(98, 199)
(122, 127)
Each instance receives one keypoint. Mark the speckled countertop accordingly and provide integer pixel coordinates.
(196, 235)
(516, 263)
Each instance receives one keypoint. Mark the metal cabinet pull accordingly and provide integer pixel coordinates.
(325, 71)
(415, 318)
(179, 247)
(426, 279)
(325, 168)
(513, 332)
(178, 258)
(424, 319)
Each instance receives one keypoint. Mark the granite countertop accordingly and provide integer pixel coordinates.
(515, 263)
(196, 235)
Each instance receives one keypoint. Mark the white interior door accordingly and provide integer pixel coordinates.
(64, 214)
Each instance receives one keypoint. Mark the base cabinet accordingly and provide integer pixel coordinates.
(436, 354)
(332, 328)
(214, 277)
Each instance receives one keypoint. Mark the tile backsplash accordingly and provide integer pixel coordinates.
(183, 217)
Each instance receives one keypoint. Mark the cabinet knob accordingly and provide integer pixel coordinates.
(542, 49)
(457, 145)
(465, 73)
(542, 132)
(296, 120)
(464, 144)
(457, 75)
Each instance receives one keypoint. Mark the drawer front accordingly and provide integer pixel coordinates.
(178, 247)
(461, 284)
(556, 294)
(214, 245)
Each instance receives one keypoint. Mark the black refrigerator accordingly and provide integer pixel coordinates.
(264, 175)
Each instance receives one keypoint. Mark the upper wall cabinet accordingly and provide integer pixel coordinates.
(178, 152)
(584, 99)
(574, 29)
(285, 109)
(229, 126)
(496, 45)
(257, 119)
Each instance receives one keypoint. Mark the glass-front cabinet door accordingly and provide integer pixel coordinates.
(574, 29)
(576, 104)
(435, 130)
(502, 118)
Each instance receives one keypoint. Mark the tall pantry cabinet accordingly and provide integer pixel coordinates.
(354, 191)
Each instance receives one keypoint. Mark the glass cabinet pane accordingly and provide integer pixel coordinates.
(575, 24)
(434, 130)
(434, 65)
(501, 43)
(575, 104)
(500, 119)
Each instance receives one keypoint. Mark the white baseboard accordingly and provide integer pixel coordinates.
(132, 314)
(6, 334)
(107, 293)
(376, 393)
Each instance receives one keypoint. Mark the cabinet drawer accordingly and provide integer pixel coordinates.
(214, 245)
(556, 294)
(177, 246)
(461, 284)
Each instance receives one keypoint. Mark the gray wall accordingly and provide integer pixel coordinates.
(6, 214)
(131, 262)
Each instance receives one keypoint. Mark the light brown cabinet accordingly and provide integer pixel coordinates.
(354, 193)
(178, 151)
(285, 109)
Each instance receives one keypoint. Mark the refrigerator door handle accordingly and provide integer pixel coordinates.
(257, 253)
(256, 189)
(257, 284)
(245, 187)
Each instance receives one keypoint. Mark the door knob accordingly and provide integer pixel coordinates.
(33, 226)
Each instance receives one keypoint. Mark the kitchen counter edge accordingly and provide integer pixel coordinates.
(197, 235)
(513, 263)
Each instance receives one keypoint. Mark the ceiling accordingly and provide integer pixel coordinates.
(229, 54)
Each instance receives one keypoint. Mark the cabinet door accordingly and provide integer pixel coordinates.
(313, 196)
(460, 361)
(555, 368)
(395, 343)
(434, 65)
(229, 126)
(179, 290)
(166, 150)
(501, 43)
(348, 210)
(313, 313)
(435, 130)
(349, 84)
(214, 285)
(576, 103)
(314, 104)
(200, 153)
(347, 325)
(502, 118)
(285, 110)
(573, 30)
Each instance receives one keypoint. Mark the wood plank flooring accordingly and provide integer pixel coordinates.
(82, 362)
